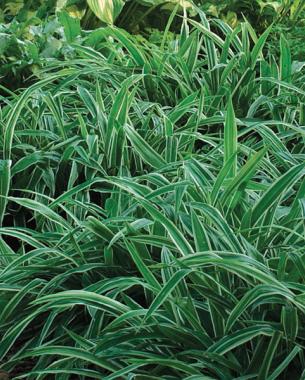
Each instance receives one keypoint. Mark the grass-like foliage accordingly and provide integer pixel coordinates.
(152, 209)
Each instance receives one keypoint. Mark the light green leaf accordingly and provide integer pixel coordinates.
(106, 10)
(230, 139)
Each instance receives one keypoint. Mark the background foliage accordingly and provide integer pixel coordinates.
(35, 31)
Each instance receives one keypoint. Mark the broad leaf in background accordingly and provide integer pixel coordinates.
(182, 3)
(106, 10)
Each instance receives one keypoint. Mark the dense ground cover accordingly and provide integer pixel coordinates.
(152, 210)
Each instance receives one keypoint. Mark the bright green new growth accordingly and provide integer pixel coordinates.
(153, 213)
